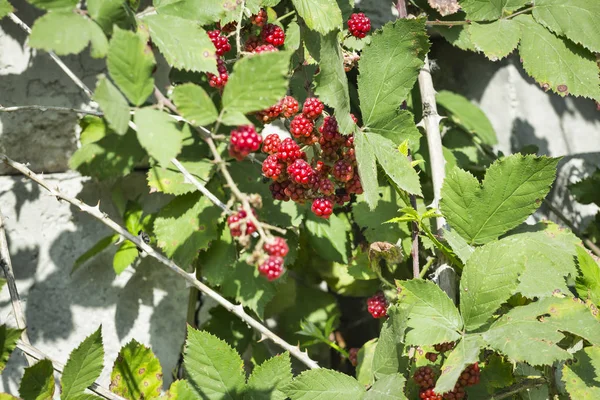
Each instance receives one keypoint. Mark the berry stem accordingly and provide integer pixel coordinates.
(238, 29)
(284, 16)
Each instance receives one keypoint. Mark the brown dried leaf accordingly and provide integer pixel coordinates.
(445, 7)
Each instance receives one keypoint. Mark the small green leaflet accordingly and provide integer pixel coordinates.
(214, 369)
(113, 104)
(581, 377)
(38, 381)
(390, 387)
(54, 32)
(181, 390)
(513, 188)
(367, 168)
(229, 327)
(126, 254)
(459, 246)
(137, 373)
(268, 378)
(248, 287)
(464, 354)
(488, 10)
(322, 16)
(194, 104)
(467, 115)
(329, 237)
(496, 39)
(389, 357)
(171, 181)
(575, 19)
(588, 282)
(399, 128)
(5, 8)
(130, 63)
(83, 367)
(457, 35)
(64, 5)
(102, 244)
(8, 342)
(324, 384)
(108, 13)
(201, 11)
(158, 134)
(364, 368)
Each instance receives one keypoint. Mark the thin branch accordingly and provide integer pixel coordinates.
(58, 367)
(401, 8)
(591, 245)
(50, 108)
(190, 278)
(238, 28)
(414, 252)
(437, 22)
(518, 387)
(15, 299)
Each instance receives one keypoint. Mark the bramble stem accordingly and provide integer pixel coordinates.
(518, 387)
(50, 108)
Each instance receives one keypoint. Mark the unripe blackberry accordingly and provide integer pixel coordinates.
(301, 126)
(424, 377)
(228, 27)
(278, 190)
(353, 356)
(329, 150)
(444, 347)
(431, 356)
(296, 192)
(273, 34)
(270, 113)
(265, 48)
(322, 168)
(359, 25)
(260, 18)
(251, 44)
(326, 187)
(219, 80)
(312, 108)
(322, 207)
(377, 305)
(272, 268)
(342, 171)
(289, 151)
(458, 393)
(290, 106)
(308, 140)
(354, 185)
(272, 167)
(277, 247)
(300, 172)
(271, 144)
(329, 131)
(429, 394)
(470, 376)
(243, 141)
(239, 225)
(221, 42)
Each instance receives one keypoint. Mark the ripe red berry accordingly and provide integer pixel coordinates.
(377, 305)
(273, 34)
(251, 44)
(272, 167)
(243, 141)
(312, 108)
(277, 247)
(301, 126)
(239, 225)
(272, 268)
(289, 151)
(326, 187)
(354, 185)
(429, 394)
(342, 171)
(278, 190)
(322, 207)
(353, 356)
(300, 172)
(260, 18)
(271, 144)
(221, 42)
(219, 80)
(359, 25)
(424, 377)
(265, 48)
(444, 347)
(290, 106)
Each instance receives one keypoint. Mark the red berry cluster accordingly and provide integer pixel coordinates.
(359, 25)
(222, 46)
(221, 42)
(377, 305)
(219, 80)
(429, 394)
(240, 225)
(243, 141)
(272, 267)
(330, 177)
(444, 347)
(273, 34)
(269, 38)
(425, 378)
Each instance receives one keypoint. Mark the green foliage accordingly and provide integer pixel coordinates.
(54, 32)
(268, 378)
(38, 381)
(65, 5)
(459, 246)
(113, 104)
(108, 13)
(248, 287)
(328, 237)
(83, 367)
(126, 254)
(464, 354)
(322, 16)
(194, 104)
(367, 168)
(496, 39)
(5, 8)
(364, 368)
(588, 281)
(158, 134)
(389, 358)
(8, 342)
(390, 387)
(586, 190)
(323, 384)
(512, 189)
(180, 390)
(136, 374)
(581, 376)
(488, 10)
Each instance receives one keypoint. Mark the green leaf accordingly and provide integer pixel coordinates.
(587, 190)
(372, 222)
(457, 35)
(328, 237)
(367, 168)
(389, 357)
(65, 5)
(433, 317)
(214, 369)
(38, 381)
(531, 333)
(95, 250)
(459, 245)
(268, 378)
(324, 384)
(465, 353)
(8, 342)
(113, 104)
(496, 39)
(513, 188)
(581, 376)
(488, 10)
(467, 115)
(557, 64)
(399, 128)
(256, 83)
(158, 134)
(108, 13)
(194, 104)
(181, 390)
(125, 256)
(332, 83)
(186, 225)
(389, 67)
(217, 261)
(5, 8)
(184, 43)
(130, 63)
(54, 32)
(228, 327)
(322, 16)
(202, 11)
(588, 282)
(390, 387)
(248, 287)
(395, 164)
(171, 181)
(497, 375)
(83, 367)
(364, 368)
(136, 374)
(575, 19)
